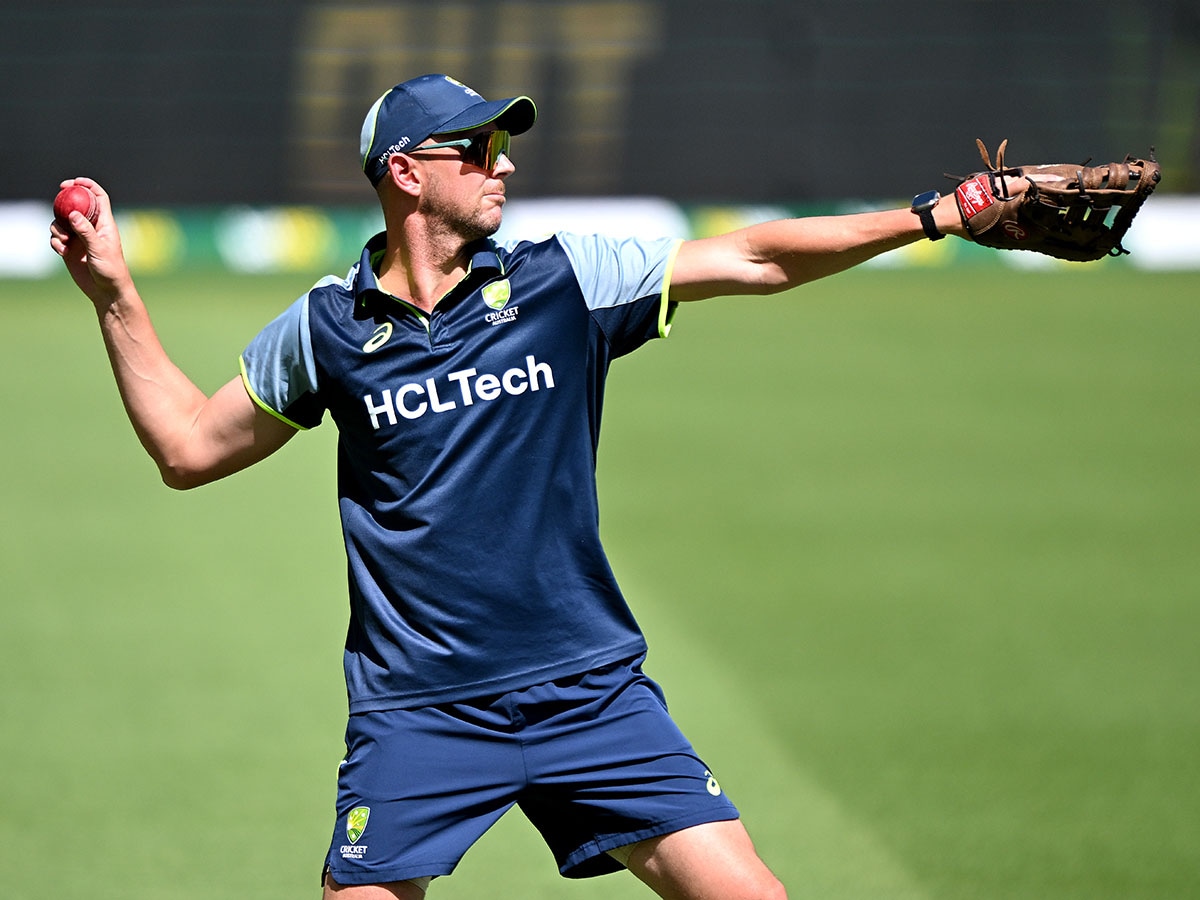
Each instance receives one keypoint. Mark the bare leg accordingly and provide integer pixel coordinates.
(397, 890)
(716, 861)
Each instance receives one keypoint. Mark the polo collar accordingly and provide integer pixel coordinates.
(484, 263)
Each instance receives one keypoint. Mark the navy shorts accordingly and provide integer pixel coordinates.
(594, 761)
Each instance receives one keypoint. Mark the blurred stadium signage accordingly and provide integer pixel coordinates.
(306, 239)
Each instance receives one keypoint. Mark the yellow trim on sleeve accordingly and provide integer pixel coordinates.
(259, 402)
(666, 308)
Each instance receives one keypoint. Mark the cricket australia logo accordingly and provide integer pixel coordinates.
(356, 824)
(496, 295)
(459, 84)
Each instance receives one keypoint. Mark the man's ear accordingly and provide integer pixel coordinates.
(403, 174)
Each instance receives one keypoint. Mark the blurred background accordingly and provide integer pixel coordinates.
(227, 132)
(917, 548)
(260, 101)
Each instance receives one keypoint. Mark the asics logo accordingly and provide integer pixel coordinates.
(711, 785)
(379, 338)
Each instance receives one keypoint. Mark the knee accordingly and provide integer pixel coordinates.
(762, 885)
(770, 888)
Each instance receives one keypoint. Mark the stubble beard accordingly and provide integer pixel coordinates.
(465, 225)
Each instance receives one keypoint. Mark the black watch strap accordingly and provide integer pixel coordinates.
(922, 206)
(931, 232)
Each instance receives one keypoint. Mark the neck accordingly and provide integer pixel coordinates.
(421, 265)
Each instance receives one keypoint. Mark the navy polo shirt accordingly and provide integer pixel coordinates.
(466, 459)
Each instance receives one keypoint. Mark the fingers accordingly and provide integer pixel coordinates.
(72, 237)
(92, 252)
(104, 205)
(89, 183)
(61, 231)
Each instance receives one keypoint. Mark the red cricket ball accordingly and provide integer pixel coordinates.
(76, 198)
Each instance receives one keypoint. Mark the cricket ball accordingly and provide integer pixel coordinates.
(76, 199)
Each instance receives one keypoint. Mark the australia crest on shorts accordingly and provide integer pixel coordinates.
(356, 824)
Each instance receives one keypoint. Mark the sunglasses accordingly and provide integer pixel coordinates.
(483, 150)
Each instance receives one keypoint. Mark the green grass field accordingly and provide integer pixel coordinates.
(917, 555)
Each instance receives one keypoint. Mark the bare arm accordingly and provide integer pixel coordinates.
(193, 438)
(776, 256)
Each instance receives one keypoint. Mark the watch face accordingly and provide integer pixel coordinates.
(927, 200)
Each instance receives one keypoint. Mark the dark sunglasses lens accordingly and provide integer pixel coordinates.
(487, 148)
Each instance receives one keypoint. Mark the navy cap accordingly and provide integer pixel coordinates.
(414, 110)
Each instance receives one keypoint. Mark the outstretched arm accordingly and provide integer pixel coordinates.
(776, 256)
(193, 438)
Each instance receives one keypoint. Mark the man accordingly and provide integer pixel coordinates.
(490, 658)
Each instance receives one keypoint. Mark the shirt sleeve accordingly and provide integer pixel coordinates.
(280, 372)
(625, 283)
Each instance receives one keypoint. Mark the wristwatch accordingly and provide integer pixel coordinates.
(922, 205)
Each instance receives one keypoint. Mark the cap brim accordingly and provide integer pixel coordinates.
(515, 115)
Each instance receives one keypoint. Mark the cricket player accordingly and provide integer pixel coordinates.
(490, 658)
